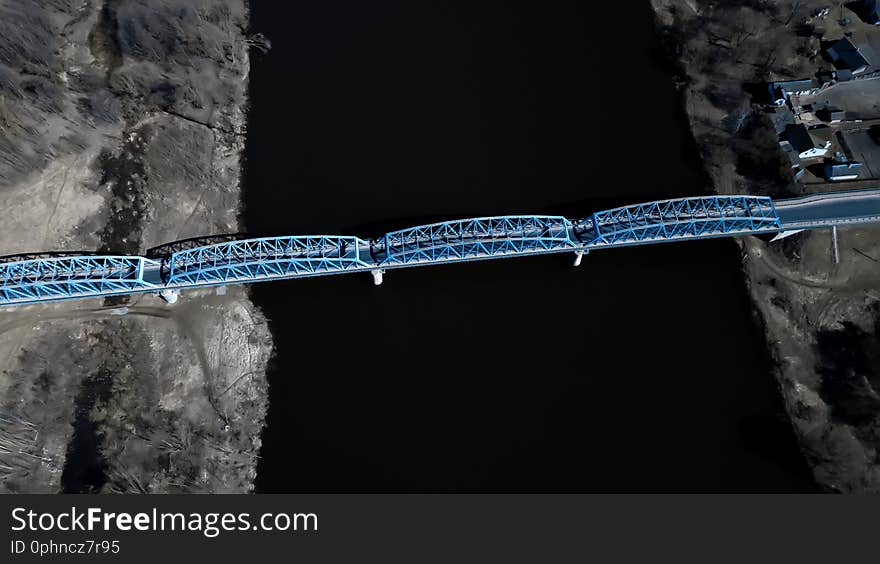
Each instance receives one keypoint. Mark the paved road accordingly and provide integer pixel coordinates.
(829, 209)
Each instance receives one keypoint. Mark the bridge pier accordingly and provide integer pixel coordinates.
(835, 251)
(578, 257)
(169, 296)
(377, 276)
(784, 234)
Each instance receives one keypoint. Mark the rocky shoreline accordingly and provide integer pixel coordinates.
(121, 128)
(821, 319)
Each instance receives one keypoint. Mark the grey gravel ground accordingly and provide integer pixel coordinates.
(121, 127)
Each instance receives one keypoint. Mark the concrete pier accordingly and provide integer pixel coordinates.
(377, 276)
(784, 234)
(834, 246)
(169, 296)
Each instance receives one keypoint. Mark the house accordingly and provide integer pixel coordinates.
(831, 114)
(842, 75)
(836, 172)
(830, 76)
(798, 137)
(846, 55)
(780, 91)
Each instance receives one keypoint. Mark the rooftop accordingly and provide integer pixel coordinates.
(798, 136)
(845, 54)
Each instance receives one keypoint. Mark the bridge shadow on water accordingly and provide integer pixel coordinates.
(573, 210)
(165, 250)
(20, 257)
(375, 229)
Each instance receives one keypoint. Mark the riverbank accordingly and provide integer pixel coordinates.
(123, 126)
(820, 319)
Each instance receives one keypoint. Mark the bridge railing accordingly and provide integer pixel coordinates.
(680, 218)
(265, 258)
(469, 239)
(48, 279)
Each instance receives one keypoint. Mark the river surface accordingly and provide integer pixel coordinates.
(641, 370)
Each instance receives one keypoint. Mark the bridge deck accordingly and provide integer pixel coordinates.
(274, 258)
(829, 209)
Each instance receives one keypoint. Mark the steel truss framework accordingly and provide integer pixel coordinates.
(254, 260)
(71, 277)
(257, 259)
(682, 218)
(469, 239)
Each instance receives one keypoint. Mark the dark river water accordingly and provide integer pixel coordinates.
(641, 370)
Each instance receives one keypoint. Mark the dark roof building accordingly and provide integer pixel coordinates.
(842, 75)
(846, 55)
(798, 136)
(839, 75)
(799, 145)
(831, 114)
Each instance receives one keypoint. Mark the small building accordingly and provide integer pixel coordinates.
(830, 76)
(798, 137)
(836, 172)
(846, 55)
(831, 114)
(780, 91)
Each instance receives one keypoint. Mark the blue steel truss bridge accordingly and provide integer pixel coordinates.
(245, 261)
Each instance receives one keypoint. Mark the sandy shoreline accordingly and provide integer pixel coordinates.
(140, 131)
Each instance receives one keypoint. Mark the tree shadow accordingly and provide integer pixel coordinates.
(759, 92)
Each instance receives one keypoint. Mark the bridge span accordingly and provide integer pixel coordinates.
(245, 261)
